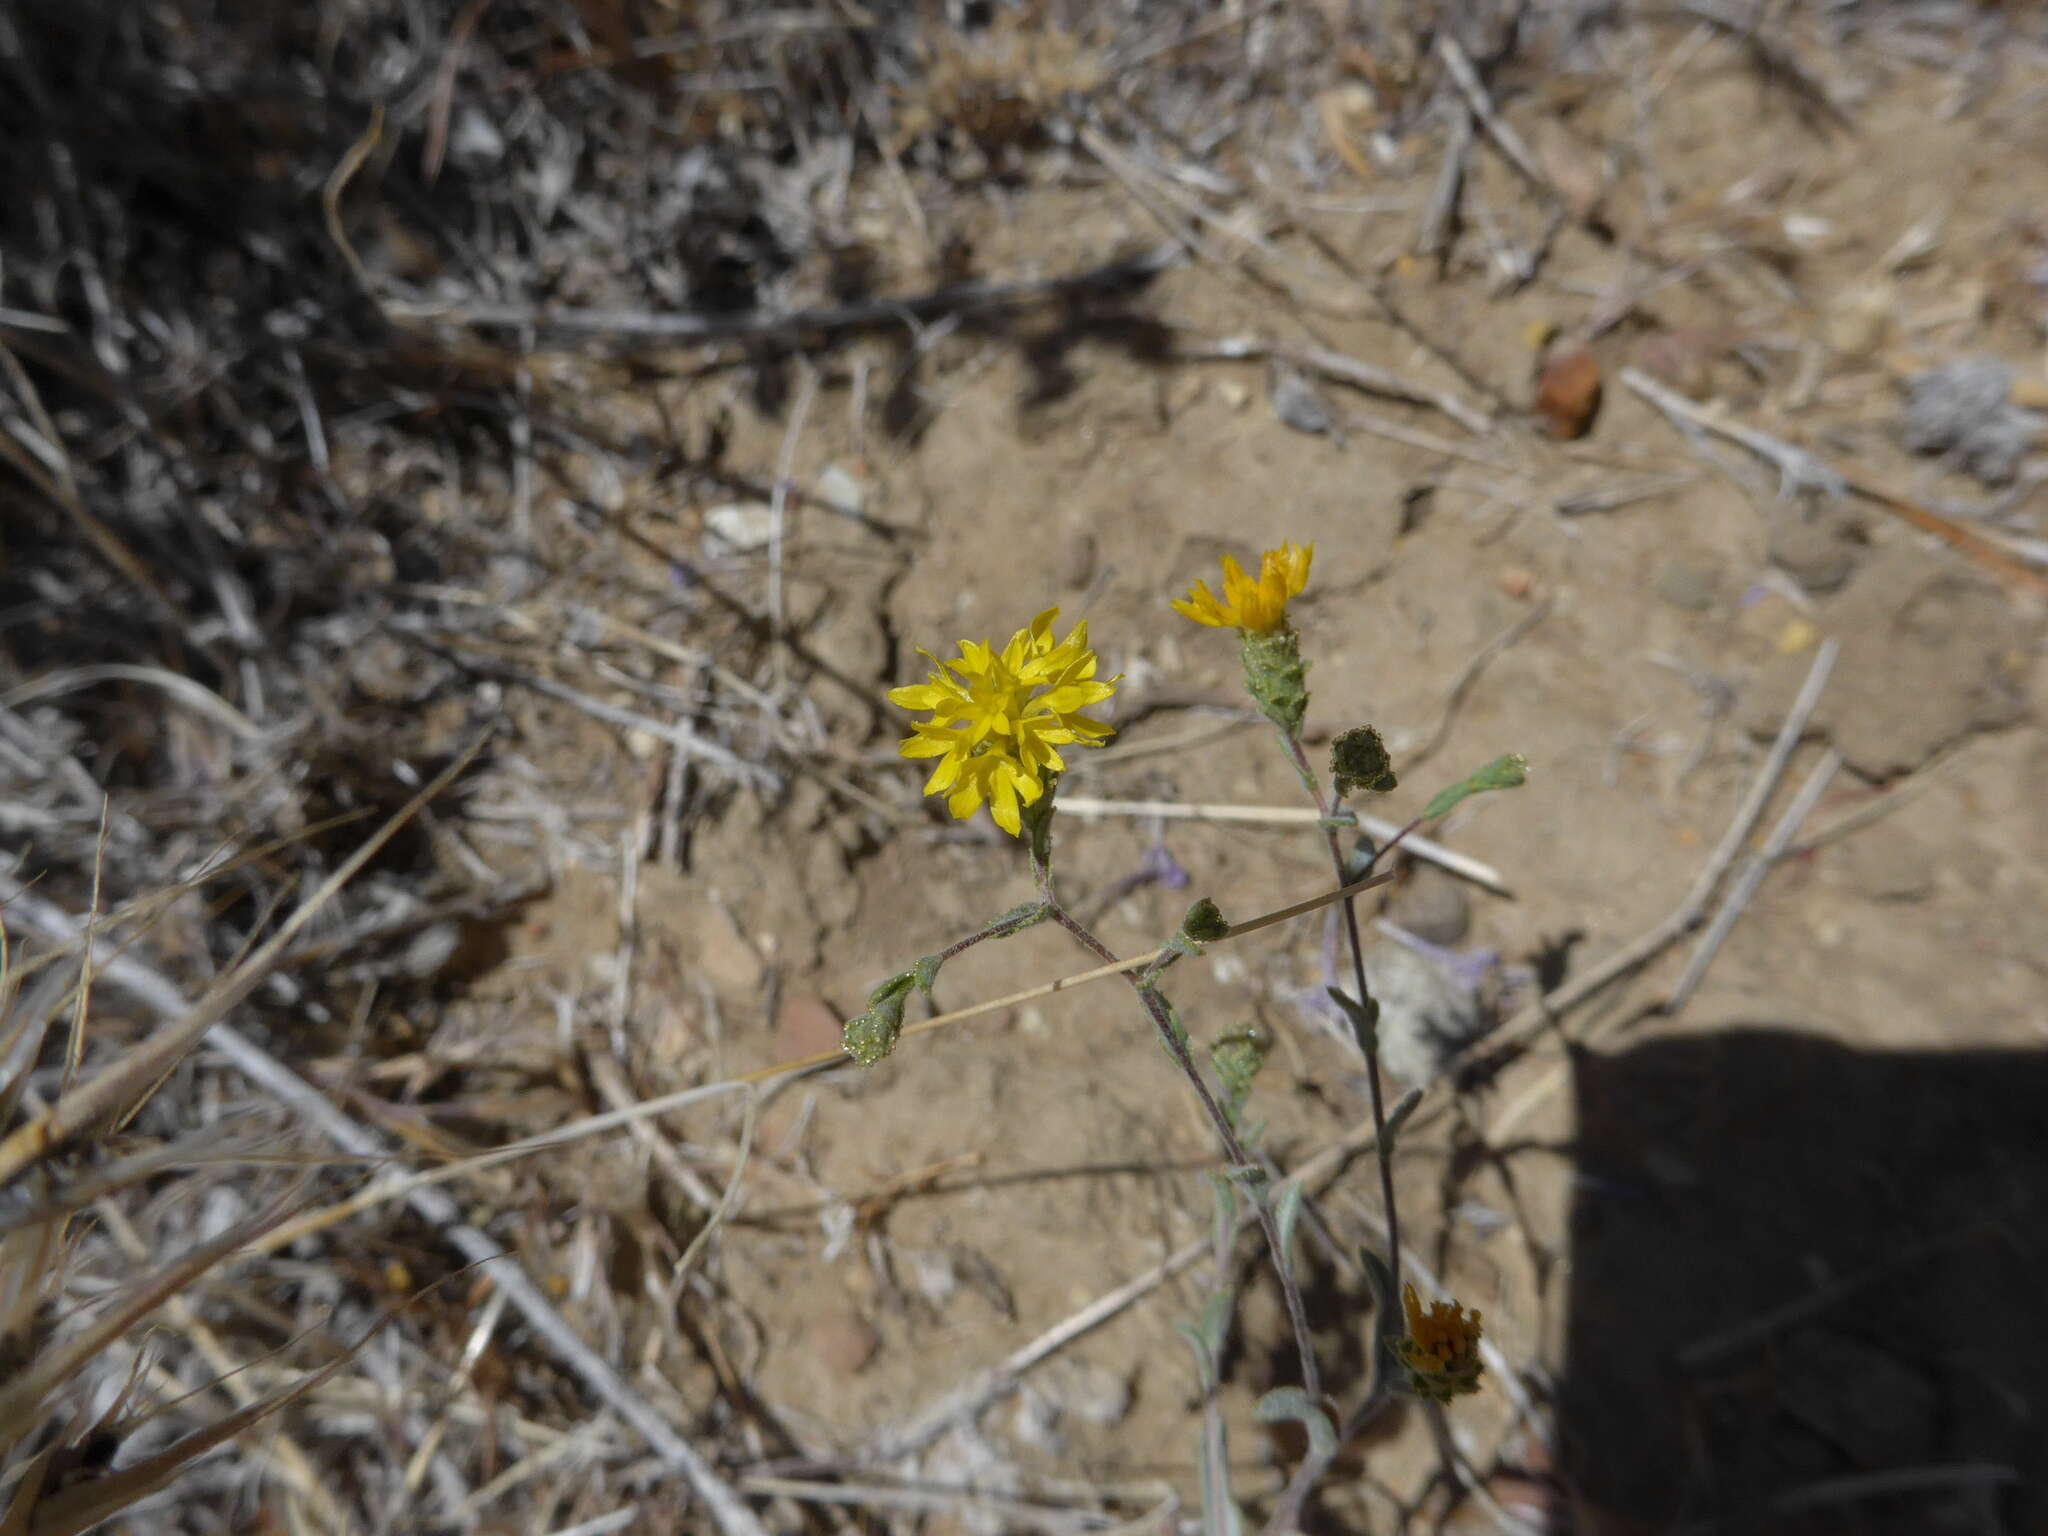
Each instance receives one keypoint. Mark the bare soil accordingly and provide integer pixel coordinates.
(1772, 1256)
(906, 1227)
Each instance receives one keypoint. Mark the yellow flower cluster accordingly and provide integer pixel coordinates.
(1441, 1350)
(1255, 607)
(998, 718)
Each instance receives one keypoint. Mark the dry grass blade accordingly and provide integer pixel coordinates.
(24, 1395)
(210, 1146)
(84, 1505)
(728, 1512)
(1800, 469)
(119, 1085)
(199, 699)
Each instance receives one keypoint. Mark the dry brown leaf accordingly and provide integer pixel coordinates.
(1568, 393)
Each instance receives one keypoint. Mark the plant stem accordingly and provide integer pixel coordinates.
(1233, 1149)
(1369, 1046)
(1001, 928)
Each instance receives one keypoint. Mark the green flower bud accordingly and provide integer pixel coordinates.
(869, 1037)
(1237, 1057)
(1359, 760)
(1204, 923)
(1277, 677)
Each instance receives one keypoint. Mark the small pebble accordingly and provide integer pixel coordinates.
(844, 1341)
(839, 486)
(1077, 557)
(1093, 1393)
(727, 960)
(1516, 582)
(1895, 868)
(1432, 905)
(1298, 403)
(1815, 552)
(1686, 586)
(738, 527)
(1796, 638)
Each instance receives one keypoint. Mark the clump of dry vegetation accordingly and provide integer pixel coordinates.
(1001, 86)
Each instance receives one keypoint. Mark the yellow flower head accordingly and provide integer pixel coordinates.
(1441, 1350)
(999, 716)
(1256, 607)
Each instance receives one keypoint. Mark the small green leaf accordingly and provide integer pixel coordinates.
(1226, 1212)
(1037, 819)
(1293, 1403)
(893, 992)
(1237, 1057)
(1359, 861)
(1502, 773)
(1388, 1323)
(1018, 918)
(926, 973)
(1215, 1325)
(1364, 1017)
(1284, 1217)
(1173, 1023)
(1398, 1117)
(1205, 1373)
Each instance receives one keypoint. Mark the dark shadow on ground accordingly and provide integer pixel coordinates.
(1809, 1289)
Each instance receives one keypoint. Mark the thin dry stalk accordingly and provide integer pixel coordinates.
(1752, 876)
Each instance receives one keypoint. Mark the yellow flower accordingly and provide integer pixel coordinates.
(1441, 1350)
(1256, 607)
(999, 716)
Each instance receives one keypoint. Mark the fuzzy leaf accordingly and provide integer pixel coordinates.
(1502, 773)
(1364, 1017)
(1193, 1336)
(1387, 1321)
(1226, 1211)
(1018, 918)
(1293, 1403)
(1216, 1315)
(1284, 1217)
(1398, 1116)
